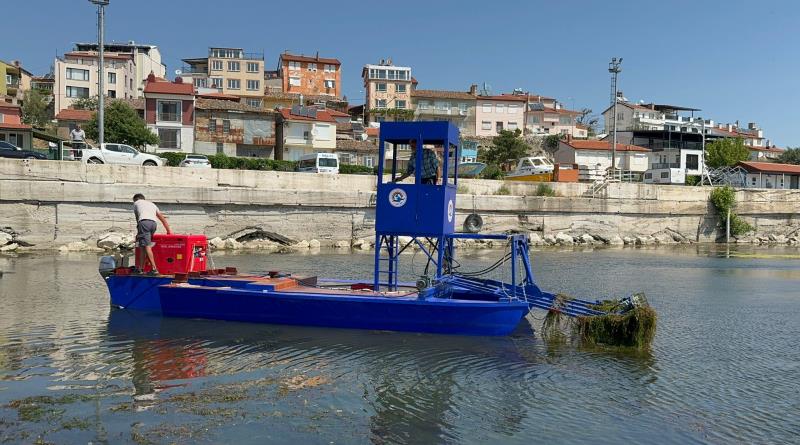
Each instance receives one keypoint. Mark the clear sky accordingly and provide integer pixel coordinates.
(736, 60)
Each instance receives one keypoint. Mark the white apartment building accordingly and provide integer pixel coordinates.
(496, 113)
(147, 59)
(75, 76)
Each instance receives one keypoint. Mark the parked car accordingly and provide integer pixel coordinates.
(9, 150)
(119, 154)
(196, 161)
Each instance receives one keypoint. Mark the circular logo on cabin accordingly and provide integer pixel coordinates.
(450, 211)
(398, 197)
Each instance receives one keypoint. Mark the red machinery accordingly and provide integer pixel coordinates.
(177, 254)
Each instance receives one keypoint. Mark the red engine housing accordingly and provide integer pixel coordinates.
(176, 253)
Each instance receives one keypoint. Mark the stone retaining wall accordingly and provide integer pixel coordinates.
(49, 204)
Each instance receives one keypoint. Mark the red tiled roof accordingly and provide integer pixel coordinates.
(220, 96)
(560, 111)
(510, 97)
(322, 116)
(770, 167)
(157, 87)
(602, 145)
(12, 126)
(767, 149)
(336, 113)
(442, 94)
(737, 133)
(372, 131)
(296, 58)
(70, 114)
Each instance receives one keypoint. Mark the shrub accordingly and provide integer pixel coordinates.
(350, 169)
(692, 180)
(545, 190)
(724, 200)
(173, 159)
(503, 190)
(492, 171)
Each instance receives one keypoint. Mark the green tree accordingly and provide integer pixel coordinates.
(86, 103)
(508, 146)
(551, 142)
(726, 152)
(790, 156)
(122, 125)
(34, 109)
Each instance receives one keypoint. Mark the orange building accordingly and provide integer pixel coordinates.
(310, 75)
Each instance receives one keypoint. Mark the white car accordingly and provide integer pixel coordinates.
(195, 161)
(119, 154)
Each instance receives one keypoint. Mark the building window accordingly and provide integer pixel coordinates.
(254, 103)
(330, 84)
(252, 85)
(423, 105)
(216, 82)
(443, 106)
(400, 104)
(369, 161)
(216, 65)
(500, 108)
(380, 103)
(77, 74)
(380, 87)
(294, 65)
(620, 116)
(252, 67)
(112, 93)
(112, 78)
(565, 120)
(462, 107)
(294, 81)
(226, 126)
(486, 108)
(330, 68)
(169, 111)
(486, 125)
(692, 162)
(312, 67)
(234, 66)
(220, 148)
(512, 108)
(512, 126)
(400, 87)
(200, 82)
(234, 84)
(499, 126)
(535, 119)
(306, 135)
(170, 138)
(77, 92)
(212, 125)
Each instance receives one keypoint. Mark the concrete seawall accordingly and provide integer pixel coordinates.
(47, 204)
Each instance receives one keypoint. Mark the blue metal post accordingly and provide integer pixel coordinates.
(514, 266)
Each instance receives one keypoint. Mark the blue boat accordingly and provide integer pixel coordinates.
(444, 300)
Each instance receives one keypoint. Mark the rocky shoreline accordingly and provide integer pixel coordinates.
(255, 239)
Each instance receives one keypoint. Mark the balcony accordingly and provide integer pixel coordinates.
(188, 69)
(431, 111)
(657, 166)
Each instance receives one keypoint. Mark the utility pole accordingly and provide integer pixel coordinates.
(614, 69)
(101, 105)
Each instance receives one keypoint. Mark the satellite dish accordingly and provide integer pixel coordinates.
(178, 72)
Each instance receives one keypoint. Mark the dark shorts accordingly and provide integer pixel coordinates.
(145, 230)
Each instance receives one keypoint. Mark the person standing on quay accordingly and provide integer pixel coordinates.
(146, 214)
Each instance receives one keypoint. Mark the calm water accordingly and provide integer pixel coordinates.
(724, 367)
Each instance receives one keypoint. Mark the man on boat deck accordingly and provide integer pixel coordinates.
(146, 214)
(430, 165)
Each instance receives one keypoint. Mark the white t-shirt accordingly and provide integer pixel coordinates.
(77, 135)
(144, 209)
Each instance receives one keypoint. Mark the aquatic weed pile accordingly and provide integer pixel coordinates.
(620, 326)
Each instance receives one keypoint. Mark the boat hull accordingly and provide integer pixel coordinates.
(248, 304)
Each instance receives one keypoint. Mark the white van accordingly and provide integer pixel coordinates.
(319, 163)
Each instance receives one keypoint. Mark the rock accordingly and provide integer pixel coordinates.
(110, 241)
(628, 240)
(216, 243)
(535, 239)
(262, 244)
(549, 239)
(302, 245)
(564, 239)
(644, 240)
(586, 239)
(78, 246)
(365, 245)
(232, 244)
(9, 247)
(5, 238)
(341, 244)
(403, 240)
(779, 239)
(616, 241)
(663, 238)
(314, 244)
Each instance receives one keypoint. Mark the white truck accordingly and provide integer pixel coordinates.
(119, 154)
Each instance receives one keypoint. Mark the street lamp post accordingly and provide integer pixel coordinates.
(614, 69)
(101, 9)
